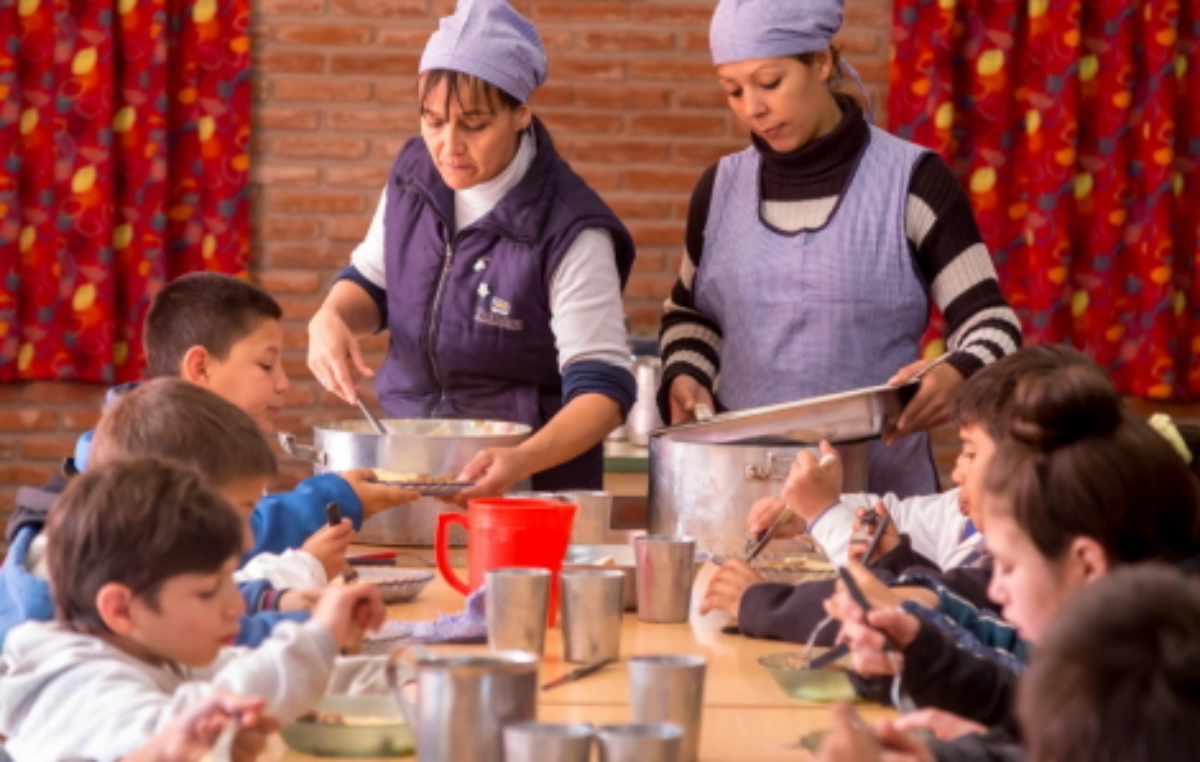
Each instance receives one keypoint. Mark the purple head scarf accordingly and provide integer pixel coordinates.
(743, 30)
(490, 40)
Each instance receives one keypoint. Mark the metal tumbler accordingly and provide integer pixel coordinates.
(640, 743)
(593, 604)
(665, 569)
(516, 609)
(670, 689)
(545, 742)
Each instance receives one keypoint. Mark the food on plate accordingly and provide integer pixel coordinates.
(795, 563)
(384, 475)
(324, 717)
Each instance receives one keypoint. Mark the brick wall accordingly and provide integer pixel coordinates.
(631, 100)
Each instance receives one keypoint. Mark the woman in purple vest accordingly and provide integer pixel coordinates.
(814, 254)
(496, 270)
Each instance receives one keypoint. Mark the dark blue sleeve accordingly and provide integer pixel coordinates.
(595, 377)
(284, 521)
(377, 294)
(253, 629)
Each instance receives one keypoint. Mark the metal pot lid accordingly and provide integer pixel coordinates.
(844, 417)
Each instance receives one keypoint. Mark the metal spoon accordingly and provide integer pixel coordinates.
(375, 422)
(914, 378)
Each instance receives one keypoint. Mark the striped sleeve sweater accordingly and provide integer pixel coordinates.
(800, 190)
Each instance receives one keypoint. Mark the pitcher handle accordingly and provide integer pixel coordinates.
(304, 452)
(769, 470)
(401, 671)
(441, 546)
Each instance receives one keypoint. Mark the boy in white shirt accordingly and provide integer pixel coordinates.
(141, 556)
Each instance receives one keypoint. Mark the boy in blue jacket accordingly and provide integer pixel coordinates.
(224, 334)
(177, 421)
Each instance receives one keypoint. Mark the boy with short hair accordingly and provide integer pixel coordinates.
(224, 333)
(142, 554)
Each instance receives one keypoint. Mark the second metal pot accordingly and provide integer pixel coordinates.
(706, 490)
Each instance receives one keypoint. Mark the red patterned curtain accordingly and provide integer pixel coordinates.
(124, 131)
(1075, 126)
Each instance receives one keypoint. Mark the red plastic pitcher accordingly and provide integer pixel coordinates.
(503, 532)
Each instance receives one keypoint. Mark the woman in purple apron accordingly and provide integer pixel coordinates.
(495, 269)
(814, 254)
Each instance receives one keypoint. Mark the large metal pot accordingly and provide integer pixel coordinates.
(411, 446)
(706, 490)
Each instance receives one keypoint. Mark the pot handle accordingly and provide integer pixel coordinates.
(304, 452)
(768, 471)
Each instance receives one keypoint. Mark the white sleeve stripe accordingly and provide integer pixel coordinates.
(993, 313)
(918, 220)
(687, 272)
(984, 354)
(695, 359)
(971, 267)
(994, 335)
(690, 331)
(368, 257)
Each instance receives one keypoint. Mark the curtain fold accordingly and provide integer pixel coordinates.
(1075, 127)
(124, 133)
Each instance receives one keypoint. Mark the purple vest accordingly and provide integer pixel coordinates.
(469, 314)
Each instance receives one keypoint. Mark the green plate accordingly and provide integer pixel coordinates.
(394, 739)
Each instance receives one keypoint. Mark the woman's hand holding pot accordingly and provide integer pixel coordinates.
(686, 393)
(931, 406)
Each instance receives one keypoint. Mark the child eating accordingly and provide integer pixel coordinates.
(142, 555)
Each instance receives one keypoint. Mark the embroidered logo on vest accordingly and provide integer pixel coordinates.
(499, 306)
(500, 321)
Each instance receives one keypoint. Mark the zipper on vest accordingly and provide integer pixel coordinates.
(434, 314)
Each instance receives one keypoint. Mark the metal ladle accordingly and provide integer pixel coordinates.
(375, 422)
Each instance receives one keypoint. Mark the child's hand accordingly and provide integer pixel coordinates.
(812, 487)
(299, 600)
(868, 635)
(190, 737)
(727, 587)
(861, 534)
(945, 726)
(328, 544)
(376, 497)
(763, 514)
(348, 609)
(878, 594)
(850, 740)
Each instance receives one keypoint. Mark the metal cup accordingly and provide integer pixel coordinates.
(665, 568)
(670, 689)
(640, 743)
(545, 742)
(593, 604)
(517, 599)
(593, 517)
(463, 702)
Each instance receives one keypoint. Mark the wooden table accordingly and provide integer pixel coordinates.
(746, 715)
